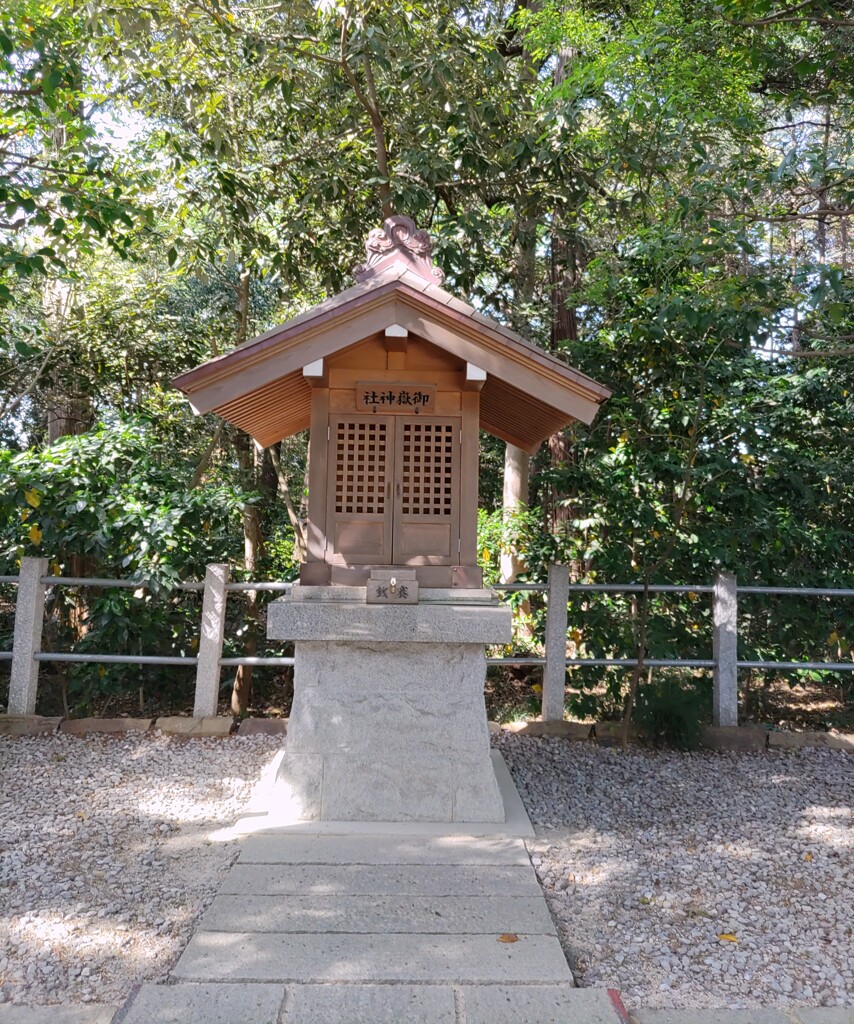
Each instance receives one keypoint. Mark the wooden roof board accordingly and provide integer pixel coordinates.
(503, 412)
(260, 387)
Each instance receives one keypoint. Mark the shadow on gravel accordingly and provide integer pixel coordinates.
(104, 858)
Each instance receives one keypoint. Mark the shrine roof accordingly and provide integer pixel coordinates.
(260, 387)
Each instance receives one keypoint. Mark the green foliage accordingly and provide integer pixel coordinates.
(671, 711)
(62, 191)
(514, 531)
(114, 494)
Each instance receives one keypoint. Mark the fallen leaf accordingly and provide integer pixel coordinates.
(508, 937)
(807, 856)
(727, 937)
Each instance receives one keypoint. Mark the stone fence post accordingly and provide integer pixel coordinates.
(210, 641)
(557, 620)
(27, 638)
(725, 649)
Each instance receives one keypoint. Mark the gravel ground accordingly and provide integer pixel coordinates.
(646, 858)
(105, 860)
(696, 880)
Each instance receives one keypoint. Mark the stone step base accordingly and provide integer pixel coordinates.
(368, 1004)
(352, 958)
(387, 915)
(282, 880)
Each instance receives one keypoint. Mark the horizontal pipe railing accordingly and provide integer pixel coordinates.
(258, 586)
(678, 588)
(824, 666)
(106, 583)
(117, 659)
(147, 659)
(608, 588)
(798, 591)
(513, 660)
(256, 661)
(651, 662)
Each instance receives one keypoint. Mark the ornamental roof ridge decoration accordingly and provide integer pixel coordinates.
(399, 238)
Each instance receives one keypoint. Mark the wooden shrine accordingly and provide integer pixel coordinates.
(394, 377)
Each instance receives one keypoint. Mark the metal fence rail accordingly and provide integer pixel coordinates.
(34, 580)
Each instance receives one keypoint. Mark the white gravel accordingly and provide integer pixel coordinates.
(647, 858)
(105, 856)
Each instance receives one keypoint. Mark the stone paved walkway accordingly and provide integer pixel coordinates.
(375, 930)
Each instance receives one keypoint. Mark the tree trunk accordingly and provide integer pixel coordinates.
(516, 478)
(821, 218)
(298, 525)
(69, 410)
(517, 463)
(253, 545)
(252, 536)
(565, 264)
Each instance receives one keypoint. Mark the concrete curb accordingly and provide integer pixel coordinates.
(263, 727)
(739, 738)
(202, 728)
(108, 726)
(27, 725)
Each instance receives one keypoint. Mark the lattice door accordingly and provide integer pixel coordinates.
(427, 487)
(359, 506)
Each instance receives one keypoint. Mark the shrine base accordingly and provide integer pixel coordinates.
(384, 728)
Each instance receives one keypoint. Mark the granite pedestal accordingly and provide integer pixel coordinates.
(388, 720)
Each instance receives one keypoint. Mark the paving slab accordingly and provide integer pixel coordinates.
(92, 1013)
(537, 1004)
(205, 1004)
(370, 1004)
(437, 959)
(379, 880)
(823, 1015)
(758, 1016)
(285, 849)
(389, 915)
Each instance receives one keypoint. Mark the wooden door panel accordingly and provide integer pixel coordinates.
(430, 542)
(359, 542)
(426, 486)
(359, 509)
